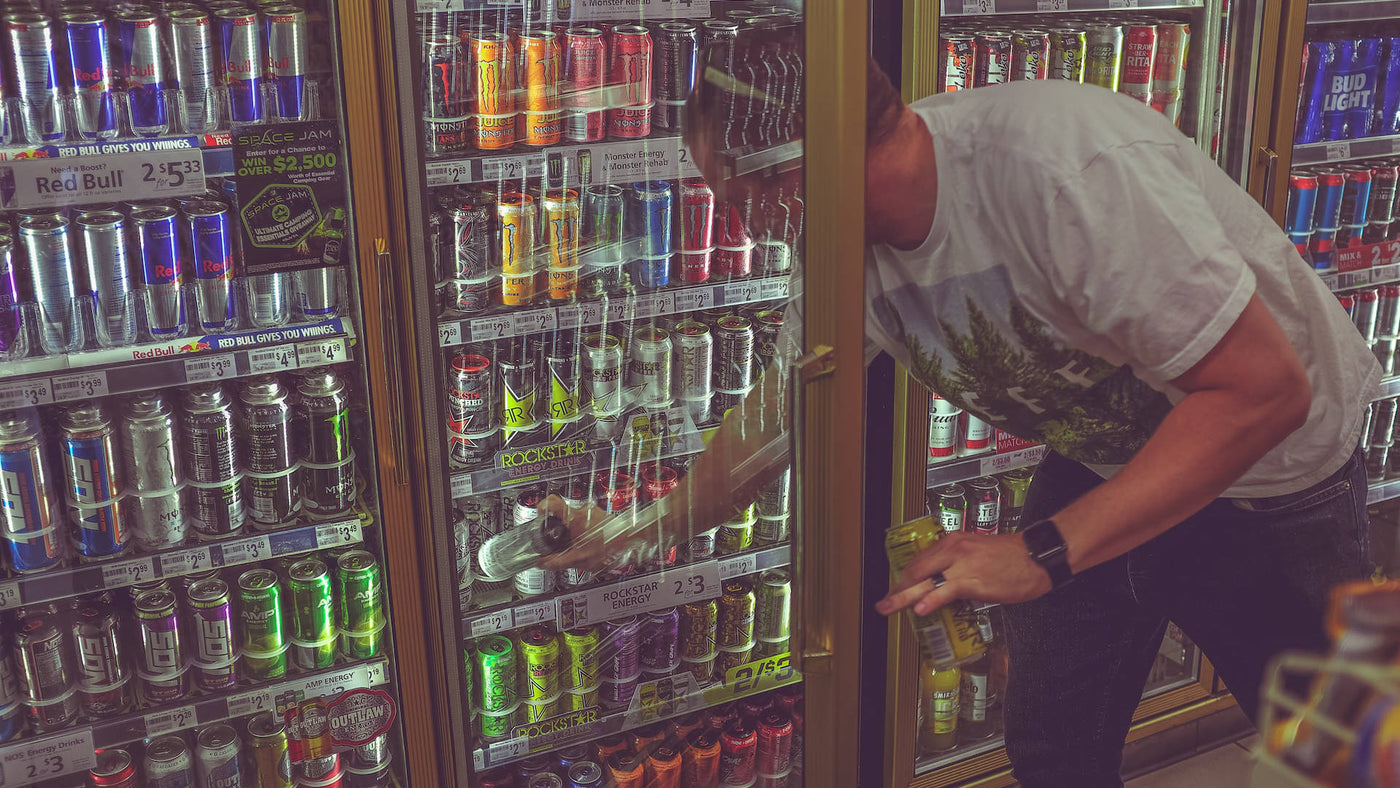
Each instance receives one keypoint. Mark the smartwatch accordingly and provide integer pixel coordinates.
(1048, 549)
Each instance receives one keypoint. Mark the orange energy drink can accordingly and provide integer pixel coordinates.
(493, 63)
(540, 128)
(663, 767)
(561, 214)
(610, 745)
(515, 212)
(541, 63)
(700, 758)
(949, 635)
(626, 770)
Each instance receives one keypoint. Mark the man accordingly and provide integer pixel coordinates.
(1065, 264)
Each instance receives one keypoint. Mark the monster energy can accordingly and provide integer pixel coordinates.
(328, 459)
(211, 462)
(359, 605)
(736, 533)
(264, 645)
(271, 481)
(313, 617)
(149, 441)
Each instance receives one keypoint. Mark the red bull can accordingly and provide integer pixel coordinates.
(1356, 198)
(53, 275)
(195, 54)
(241, 62)
(94, 74)
(287, 60)
(158, 239)
(32, 48)
(211, 234)
(143, 72)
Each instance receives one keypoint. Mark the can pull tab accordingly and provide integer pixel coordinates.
(816, 363)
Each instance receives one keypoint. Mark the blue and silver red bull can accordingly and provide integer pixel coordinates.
(212, 241)
(10, 316)
(90, 58)
(195, 55)
(241, 62)
(1388, 89)
(53, 274)
(158, 237)
(287, 60)
(102, 239)
(1356, 199)
(1302, 197)
(143, 71)
(26, 508)
(1327, 217)
(1317, 63)
(32, 61)
(93, 470)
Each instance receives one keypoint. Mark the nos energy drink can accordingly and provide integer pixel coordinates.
(26, 510)
(143, 70)
(212, 242)
(93, 470)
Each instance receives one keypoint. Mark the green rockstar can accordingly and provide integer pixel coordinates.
(736, 534)
(260, 611)
(773, 609)
(582, 668)
(313, 617)
(495, 674)
(360, 605)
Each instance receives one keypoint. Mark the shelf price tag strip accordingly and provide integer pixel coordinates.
(26, 393)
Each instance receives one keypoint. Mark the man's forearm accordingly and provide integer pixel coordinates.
(1204, 444)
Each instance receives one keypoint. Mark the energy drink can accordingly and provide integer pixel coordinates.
(733, 255)
(46, 673)
(630, 70)
(94, 74)
(263, 642)
(217, 757)
(602, 361)
(1302, 199)
(10, 315)
(271, 764)
(471, 400)
(562, 368)
(149, 436)
(1030, 54)
(102, 673)
(26, 507)
(695, 361)
(774, 752)
(1327, 217)
(738, 751)
(103, 242)
(603, 208)
(313, 633)
(736, 614)
(1366, 312)
(561, 217)
(492, 57)
(675, 67)
(1103, 52)
(287, 62)
(539, 648)
(496, 674)
(733, 360)
(541, 67)
(215, 495)
(1067, 49)
(168, 763)
(446, 94)
(94, 483)
(211, 234)
(360, 605)
(215, 655)
(519, 392)
(143, 73)
(328, 467)
(1017, 483)
(53, 275)
(1356, 197)
(515, 213)
(241, 62)
(161, 666)
(158, 239)
(947, 636)
(195, 56)
(660, 646)
(622, 644)
(32, 50)
(13, 716)
(697, 229)
(585, 74)
(1139, 53)
(648, 216)
(649, 373)
(773, 605)
(271, 480)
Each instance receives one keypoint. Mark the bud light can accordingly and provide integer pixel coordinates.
(142, 70)
(1302, 199)
(241, 62)
(1387, 102)
(1327, 216)
(89, 55)
(287, 61)
(195, 54)
(32, 48)
(93, 471)
(159, 242)
(212, 236)
(1318, 59)
(26, 508)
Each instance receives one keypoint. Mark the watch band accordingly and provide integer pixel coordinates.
(1047, 548)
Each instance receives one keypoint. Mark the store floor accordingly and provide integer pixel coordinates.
(1226, 766)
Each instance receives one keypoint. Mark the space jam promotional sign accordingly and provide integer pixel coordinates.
(291, 195)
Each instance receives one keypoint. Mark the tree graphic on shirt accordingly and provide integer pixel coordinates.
(1035, 387)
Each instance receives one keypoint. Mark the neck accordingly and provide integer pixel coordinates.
(901, 186)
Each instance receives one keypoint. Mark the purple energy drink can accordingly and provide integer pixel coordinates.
(26, 511)
(159, 241)
(1317, 63)
(143, 70)
(92, 469)
(161, 661)
(1327, 216)
(241, 62)
(287, 60)
(660, 651)
(9, 295)
(89, 56)
(213, 264)
(1388, 89)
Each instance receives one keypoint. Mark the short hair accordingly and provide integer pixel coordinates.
(882, 105)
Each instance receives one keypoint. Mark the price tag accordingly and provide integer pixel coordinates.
(695, 299)
(1052, 5)
(508, 750)
(1385, 273)
(200, 369)
(1330, 280)
(185, 562)
(79, 385)
(1338, 150)
(26, 393)
(978, 7)
(737, 566)
(272, 359)
(1352, 279)
(567, 316)
(1122, 4)
(376, 673)
(246, 703)
(499, 621)
(126, 573)
(661, 698)
(9, 595)
(760, 675)
(509, 168)
(484, 328)
(617, 310)
(776, 287)
(176, 719)
(32, 760)
(81, 180)
(663, 304)
(741, 293)
(446, 173)
(244, 551)
(450, 334)
(670, 588)
(461, 485)
(321, 352)
(535, 321)
(1001, 463)
(535, 612)
(644, 306)
(590, 314)
(335, 534)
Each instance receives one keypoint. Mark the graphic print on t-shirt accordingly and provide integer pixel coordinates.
(981, 348)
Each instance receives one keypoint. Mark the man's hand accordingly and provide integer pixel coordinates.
(974, 566)
(587, 550)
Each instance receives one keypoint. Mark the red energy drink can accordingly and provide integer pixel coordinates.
(992, 61)
(957, 53)
(1030, 54)
(738, 753)
(115, 769)
(615, 491)
(733, 255)
(585, 72)
(659, 480)
(629, 69)
(470, 395)
(1139, 53)
(697, 229)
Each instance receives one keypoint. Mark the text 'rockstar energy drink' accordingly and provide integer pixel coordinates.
(948, 636)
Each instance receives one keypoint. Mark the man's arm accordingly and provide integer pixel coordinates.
(1242, 399)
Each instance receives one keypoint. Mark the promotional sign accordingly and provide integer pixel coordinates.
(80, 180)
(291, 196)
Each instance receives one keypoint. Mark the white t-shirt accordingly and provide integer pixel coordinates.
(1083, 253)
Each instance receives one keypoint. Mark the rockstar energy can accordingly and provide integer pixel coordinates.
(562, 366)
(540, 649)
(948, 636)
(519, 392)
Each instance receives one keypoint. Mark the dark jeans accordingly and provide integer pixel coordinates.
(1242, 584)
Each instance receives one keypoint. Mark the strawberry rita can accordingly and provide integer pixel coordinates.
(1139, 52)
(629, 72)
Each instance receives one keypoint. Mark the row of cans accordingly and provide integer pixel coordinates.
(106, 654)
(1378, 437)
(494, 83)
(1340, 207)
(951, 431)
(1141, 57)
(1350, 85)
(984, 505)
(519, 391)
(565, 245)
(260, 758)
(1376, 313)
(755, 742)
(126, 69)
(139, 476)
(114, 274)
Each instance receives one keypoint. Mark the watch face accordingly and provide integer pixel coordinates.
(1042, 537)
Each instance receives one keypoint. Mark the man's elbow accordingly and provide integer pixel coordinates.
(1290, 401)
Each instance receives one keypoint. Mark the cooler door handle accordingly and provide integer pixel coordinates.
(812, 652)
(388, 349)
(1270, 157)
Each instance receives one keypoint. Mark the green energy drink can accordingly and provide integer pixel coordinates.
(736, 535)
(263, 644)
(540, 650)
(773, 606)
(360, 605)
(519, 392)
(578, 701)
(313, 617)
(699, 629)
(1015, 484)
(468, 660)
(496, 725)
(1103, 50)
(736, 614)
(495, 673)
(328, 461)
(543, 710)
(271, 764)
(771, 648)
(562, 365)
(581, 664)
